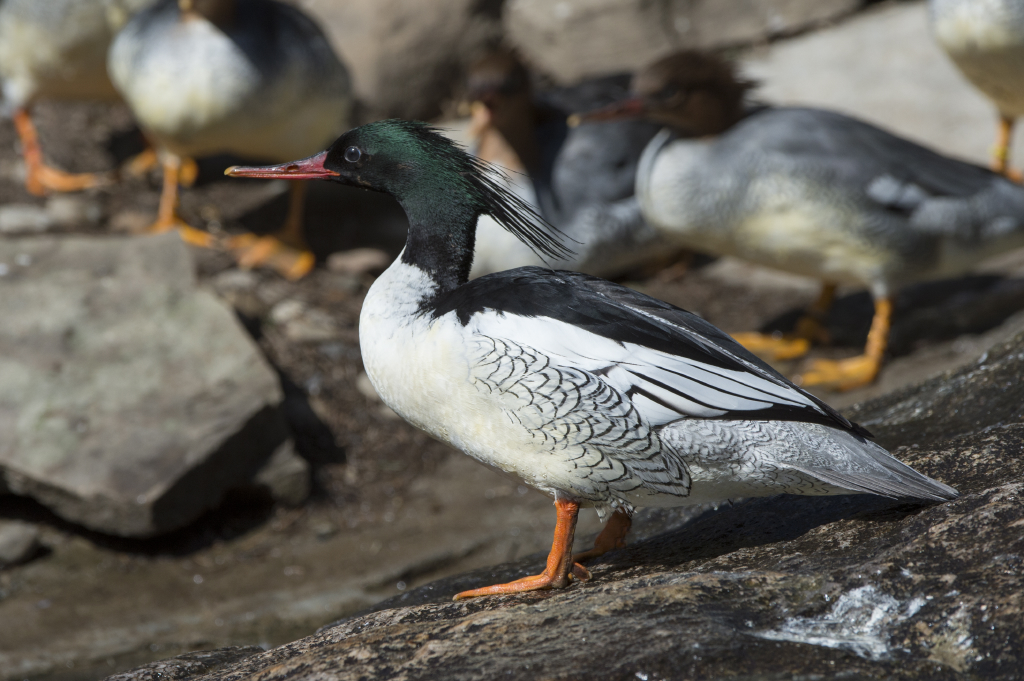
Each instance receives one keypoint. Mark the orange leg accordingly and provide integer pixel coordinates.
(167, 215)
(613, 536)
(1001, 152)
(286, 250)
(143, 162)
(809, 329)
(857, 371)
(41, 178)
(560, 569)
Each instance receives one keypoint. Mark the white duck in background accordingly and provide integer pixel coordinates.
(589, 391)
(255, 78)
(56, 49)
(985, 39)
(811, 192)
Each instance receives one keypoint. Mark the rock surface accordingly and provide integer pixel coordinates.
(574, 39)
(856, 586)
(405, 55)
(130, 400)
(18, 542)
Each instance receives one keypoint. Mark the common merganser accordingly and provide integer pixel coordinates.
(985, 40)
(589, 391)
(811, 192)
(256, 78)
(56, 49)
(581, 179)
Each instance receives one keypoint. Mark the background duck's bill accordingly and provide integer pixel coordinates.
(311, 168)
(626, 108)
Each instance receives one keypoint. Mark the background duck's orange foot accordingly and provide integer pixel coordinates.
(1014, 175)
(533, 583)
(269, 251)
(784, 347)
(44, 179)
(189, 234)
(844, 374)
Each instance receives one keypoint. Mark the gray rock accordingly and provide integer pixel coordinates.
(19, 541)
(286, 475)
(19, 218)
(405, 55)
(130, 400)
(783, 587)
(187, 665)
(574, 39)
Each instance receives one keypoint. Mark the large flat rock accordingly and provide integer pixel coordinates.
(130, 400)
(782, 587)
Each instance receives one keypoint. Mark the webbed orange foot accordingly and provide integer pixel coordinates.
(270, 251)
(560, 570)
(844, 374)
(773, 347)
(612, 537)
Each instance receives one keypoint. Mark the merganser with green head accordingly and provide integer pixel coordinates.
(811, 192)
(256, 78)
(589, 391)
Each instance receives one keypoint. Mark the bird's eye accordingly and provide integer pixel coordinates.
(669, 91)
(353, 154)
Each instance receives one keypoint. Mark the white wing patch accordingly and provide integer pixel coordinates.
(662, 387)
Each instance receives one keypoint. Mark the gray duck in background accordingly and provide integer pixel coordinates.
(985, 39)
(56, 49)
(581, 179)
(811, 192)
(255, 78)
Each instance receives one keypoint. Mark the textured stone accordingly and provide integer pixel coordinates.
(405, 55)
(18, 542)
(130, 400)
(782, 587)
(574, 39)
(287, 476)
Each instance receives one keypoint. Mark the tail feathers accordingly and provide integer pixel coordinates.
(877, 472)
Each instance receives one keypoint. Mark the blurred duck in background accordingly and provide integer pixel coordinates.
(256, 78)
(985, 39)
(811, 192)
(581, 179)
(56, 49)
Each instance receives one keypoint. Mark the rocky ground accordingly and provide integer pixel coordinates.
(796, 585)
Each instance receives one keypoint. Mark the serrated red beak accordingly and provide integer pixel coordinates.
(311, 168)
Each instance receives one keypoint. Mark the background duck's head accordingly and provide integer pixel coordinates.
(436, 181)
(693, 92)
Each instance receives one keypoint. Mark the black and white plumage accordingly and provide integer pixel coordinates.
(582, 388)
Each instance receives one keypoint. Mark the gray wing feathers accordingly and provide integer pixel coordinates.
(869, 469)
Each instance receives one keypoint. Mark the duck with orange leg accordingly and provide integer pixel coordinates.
(57, 50)
(594, 393)
(810, 192)
(985, 40)
(253, 78)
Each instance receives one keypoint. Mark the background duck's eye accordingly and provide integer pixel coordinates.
(352, 154)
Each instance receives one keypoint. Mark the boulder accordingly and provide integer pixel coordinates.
(406, 56)
(573, 39)
(781, 587)
(19, 542)
(130, 400)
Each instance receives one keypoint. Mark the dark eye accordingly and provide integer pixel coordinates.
(669, 91)
(353, 154)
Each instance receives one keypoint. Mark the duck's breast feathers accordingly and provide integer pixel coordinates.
(671, 363)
